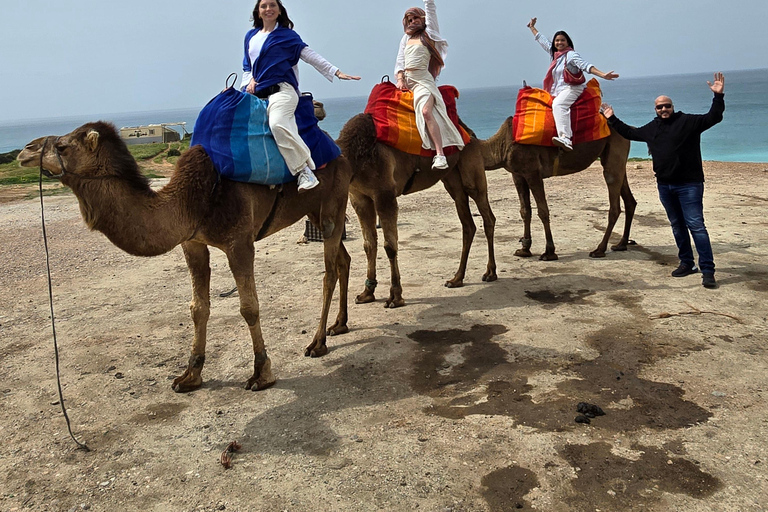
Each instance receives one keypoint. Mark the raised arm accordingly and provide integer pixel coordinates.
(616, 124)
(532, 25)
(610, 75)
(433, 28)
(706, 121)
(324, 67)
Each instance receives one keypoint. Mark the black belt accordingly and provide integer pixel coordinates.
(267, 91)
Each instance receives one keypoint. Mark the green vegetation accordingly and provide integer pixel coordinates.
(638, 159)
(13, 174)
(9, 157)
(152, 158)
(147, 151)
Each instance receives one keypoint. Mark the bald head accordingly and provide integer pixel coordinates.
(664, 107)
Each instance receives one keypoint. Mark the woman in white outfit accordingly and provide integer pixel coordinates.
(419, 62)
(565, 80)
(272, 52)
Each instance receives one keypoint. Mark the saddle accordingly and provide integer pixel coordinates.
(533, 122)
(234, 130)
(395, 119)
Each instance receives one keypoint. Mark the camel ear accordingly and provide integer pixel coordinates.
(92, 140)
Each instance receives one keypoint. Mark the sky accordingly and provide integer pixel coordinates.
(82, 57)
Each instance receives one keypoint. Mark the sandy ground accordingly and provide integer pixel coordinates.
(463, 400)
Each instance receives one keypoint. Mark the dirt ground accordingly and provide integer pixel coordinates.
(463, 400)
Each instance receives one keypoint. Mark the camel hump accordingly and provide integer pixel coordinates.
(357, 138)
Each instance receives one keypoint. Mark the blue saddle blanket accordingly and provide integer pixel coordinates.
(234, 131)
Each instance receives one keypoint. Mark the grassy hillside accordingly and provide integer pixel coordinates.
(155, 160)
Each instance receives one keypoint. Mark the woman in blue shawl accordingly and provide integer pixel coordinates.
(272, 53)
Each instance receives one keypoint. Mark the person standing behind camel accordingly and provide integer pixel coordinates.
(674, 139)
(564, 80)
(272, 53)
(420, 59)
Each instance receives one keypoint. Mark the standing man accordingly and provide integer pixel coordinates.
(674, 140)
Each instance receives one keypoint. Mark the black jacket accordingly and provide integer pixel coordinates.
(675, 143)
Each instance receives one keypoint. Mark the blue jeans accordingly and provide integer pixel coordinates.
(685, 210)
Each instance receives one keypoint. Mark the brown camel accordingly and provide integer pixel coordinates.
(197, 210)
(382, 173)
(529, 165)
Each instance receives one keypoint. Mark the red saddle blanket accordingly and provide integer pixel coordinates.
(395, 119)
(533, 122)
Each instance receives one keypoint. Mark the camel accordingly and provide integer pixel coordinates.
(529, 165)
(197, 210)
(383, 173)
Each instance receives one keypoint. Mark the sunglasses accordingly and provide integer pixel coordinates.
(663, 106)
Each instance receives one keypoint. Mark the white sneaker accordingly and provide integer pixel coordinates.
(562, 142)
(439, 162)
(307, 180)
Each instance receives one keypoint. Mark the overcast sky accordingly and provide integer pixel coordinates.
(78, 57)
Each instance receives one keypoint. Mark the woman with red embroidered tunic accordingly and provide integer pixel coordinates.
(272, 53)
(419, 62)
(565, 80)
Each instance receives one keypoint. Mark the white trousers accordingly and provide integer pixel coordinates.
(281, 112)
(561, 109)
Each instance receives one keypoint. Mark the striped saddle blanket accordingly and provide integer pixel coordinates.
(533, 122)
(234, 130)
(395, 119)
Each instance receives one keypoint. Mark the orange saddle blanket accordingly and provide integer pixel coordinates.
(533, 122)
(395, 119)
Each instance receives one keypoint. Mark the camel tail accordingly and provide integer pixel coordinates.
(357, 139)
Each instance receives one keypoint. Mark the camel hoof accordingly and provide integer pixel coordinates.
(454, 283)
(619, 247)
(489, 277)
(185, 383)
(523, 253)
(263, 382)
(548, 257)
(365, 298)
(597, 254)
(337, 329)
(392, 303)
(315, 350)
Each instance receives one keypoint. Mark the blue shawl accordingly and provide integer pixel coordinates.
(281, 51)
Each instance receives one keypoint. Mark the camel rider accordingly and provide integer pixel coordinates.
(564, 80)
(420, 59)
(272, 53)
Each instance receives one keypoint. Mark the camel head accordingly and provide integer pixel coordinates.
(91, 151)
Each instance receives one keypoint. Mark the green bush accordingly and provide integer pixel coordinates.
(146, 151)
(6, 158)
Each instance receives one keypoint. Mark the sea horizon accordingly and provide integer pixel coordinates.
(741, 137)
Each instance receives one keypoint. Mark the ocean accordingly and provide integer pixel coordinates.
(741, 137)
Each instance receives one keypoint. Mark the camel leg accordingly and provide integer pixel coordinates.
(366, 214)
(479, 194)
(630, 204)
(342, 269)
(198, 258)
(614, 207)
(386, 208)
(524, 196)
(240, 257)
(452, 183)
(331, 243)
(536, 184)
